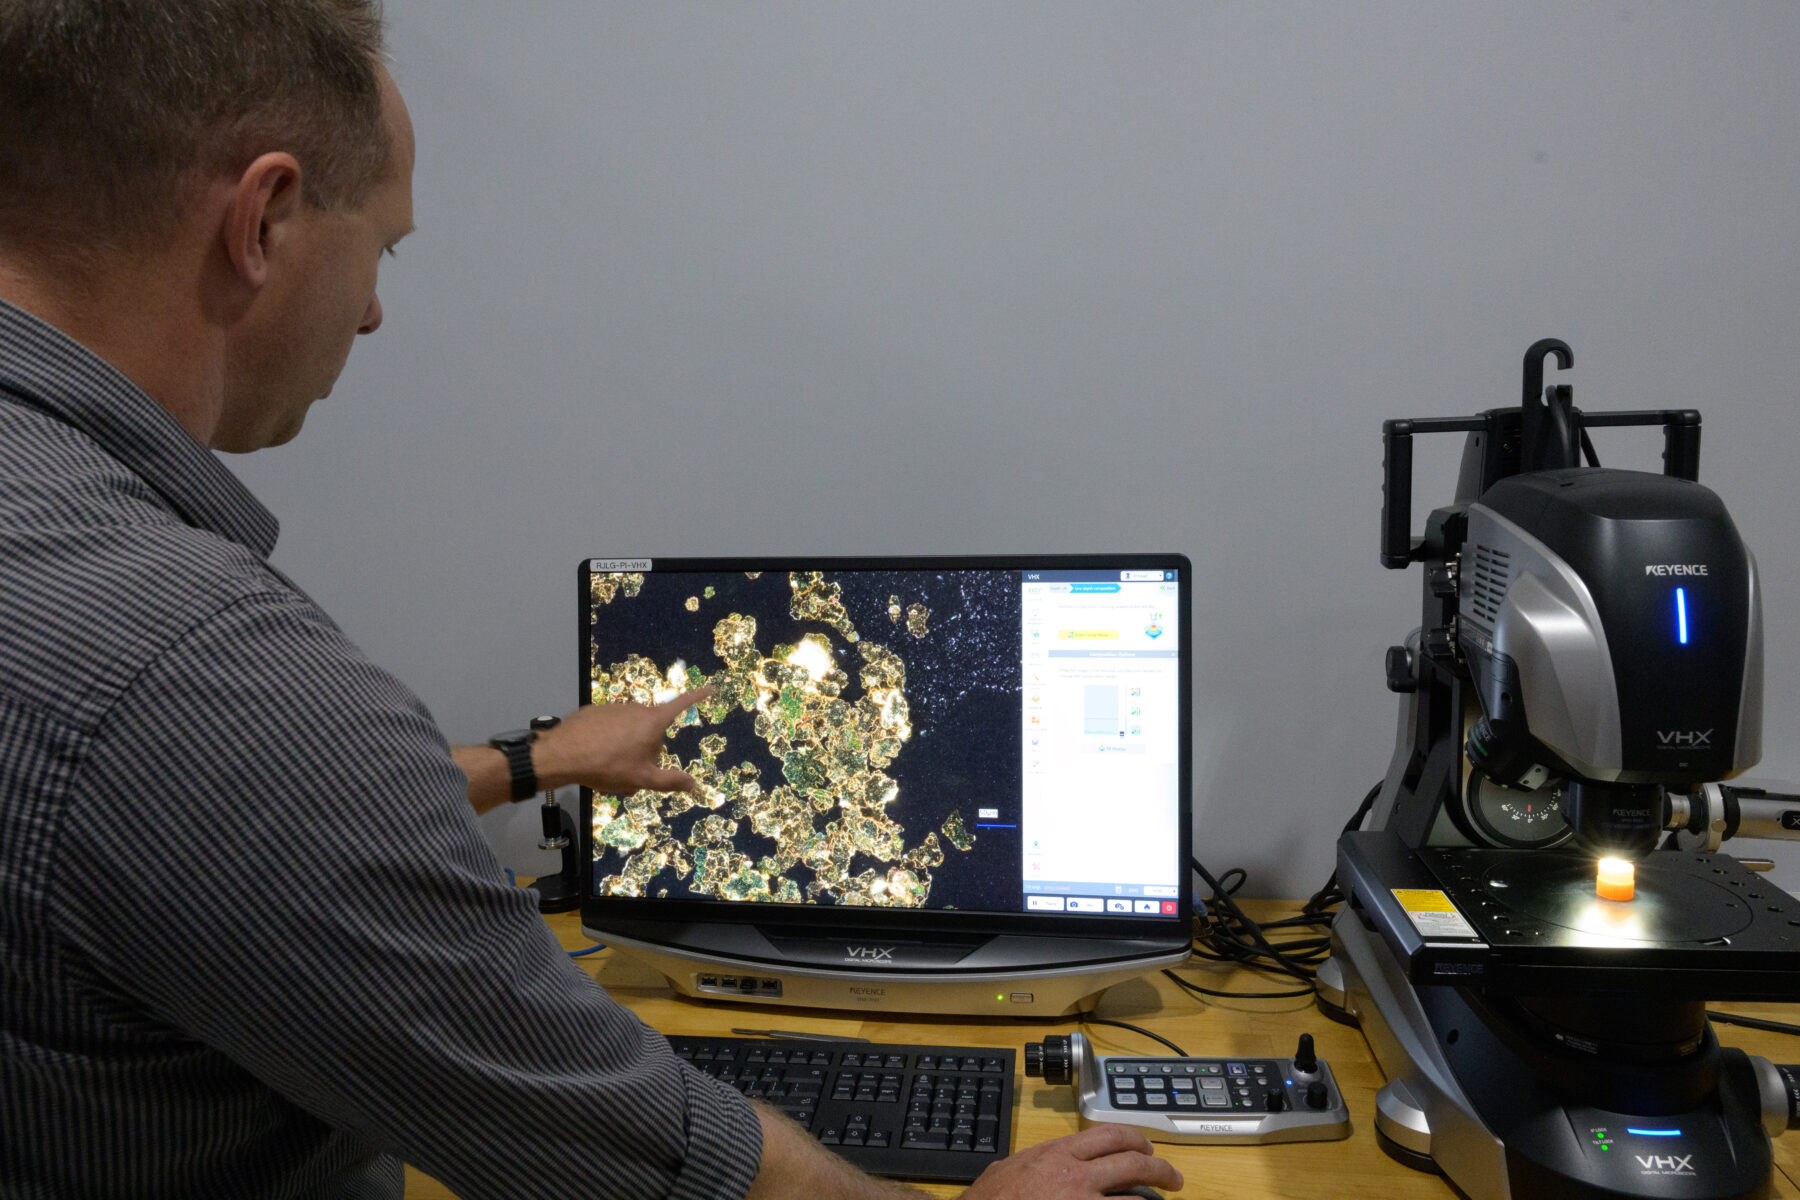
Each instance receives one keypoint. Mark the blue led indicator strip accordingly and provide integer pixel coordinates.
(1654, 1132)
(1681, 614)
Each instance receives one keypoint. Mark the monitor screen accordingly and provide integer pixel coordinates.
(950, 742)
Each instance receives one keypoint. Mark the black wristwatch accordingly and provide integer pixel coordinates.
(516, 745)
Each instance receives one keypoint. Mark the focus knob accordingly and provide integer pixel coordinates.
(1049, 1059)
(1400, 676)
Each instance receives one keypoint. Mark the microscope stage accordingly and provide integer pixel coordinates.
(1518, 899)
(1527, 922)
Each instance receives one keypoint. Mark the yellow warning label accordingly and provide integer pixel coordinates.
(1432, 914)
(1423, 900)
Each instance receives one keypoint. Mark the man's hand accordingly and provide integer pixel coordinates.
(1096, 1162)
(614, 748)
(1101, 1160)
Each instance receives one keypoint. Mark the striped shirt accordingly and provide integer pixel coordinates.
(252, 943)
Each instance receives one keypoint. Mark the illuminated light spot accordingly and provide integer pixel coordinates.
(1615, 879)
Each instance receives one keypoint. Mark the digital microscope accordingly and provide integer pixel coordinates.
(1537, 910)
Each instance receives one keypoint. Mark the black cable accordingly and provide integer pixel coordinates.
(1155, 1037)
(1232, 936)
(1331, 894)
(1190, 986)
(1227, 934)
(1752, 1022)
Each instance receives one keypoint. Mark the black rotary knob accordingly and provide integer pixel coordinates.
(1315, 1094)
(1049, 1059)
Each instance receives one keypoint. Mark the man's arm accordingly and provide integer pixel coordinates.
(1098, 1161)
(409, 1000)
(612, 748)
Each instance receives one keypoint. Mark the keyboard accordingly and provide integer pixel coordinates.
(904, 1111)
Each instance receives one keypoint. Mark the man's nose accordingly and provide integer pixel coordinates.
(372, 318)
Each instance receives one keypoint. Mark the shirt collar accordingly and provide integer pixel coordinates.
(47, 370)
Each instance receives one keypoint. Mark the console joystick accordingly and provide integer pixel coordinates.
(1306, 1062)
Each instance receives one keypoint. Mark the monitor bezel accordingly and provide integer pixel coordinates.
(598, 912)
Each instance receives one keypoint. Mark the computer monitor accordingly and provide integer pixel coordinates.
(951, 785)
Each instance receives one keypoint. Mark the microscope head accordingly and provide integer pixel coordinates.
(1612, 627)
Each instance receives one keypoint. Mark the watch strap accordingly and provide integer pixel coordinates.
(518, 762)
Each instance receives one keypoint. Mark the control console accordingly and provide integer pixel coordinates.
(1228, 1101)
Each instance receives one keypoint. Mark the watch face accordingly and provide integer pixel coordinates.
(517, 737)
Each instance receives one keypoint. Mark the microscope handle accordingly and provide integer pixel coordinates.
(1770, 815)
(1717, 812)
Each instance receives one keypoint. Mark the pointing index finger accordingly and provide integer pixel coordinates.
(688, 699)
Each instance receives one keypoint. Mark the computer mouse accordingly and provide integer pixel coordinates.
(1144, 1193)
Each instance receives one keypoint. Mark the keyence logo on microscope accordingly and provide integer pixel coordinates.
(1674, 568)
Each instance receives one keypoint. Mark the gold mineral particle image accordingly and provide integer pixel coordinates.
(834, 801)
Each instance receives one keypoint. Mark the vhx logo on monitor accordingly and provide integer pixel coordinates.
(1674, 568)
(618, 564)
(871, 953)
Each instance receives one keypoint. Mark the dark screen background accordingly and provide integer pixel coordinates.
(962, 687)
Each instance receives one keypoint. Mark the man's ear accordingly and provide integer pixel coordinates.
(265, 200)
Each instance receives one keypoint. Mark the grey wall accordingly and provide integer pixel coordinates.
(962, 277)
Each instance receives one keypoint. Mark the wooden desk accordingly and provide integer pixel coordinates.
(1353, 1169)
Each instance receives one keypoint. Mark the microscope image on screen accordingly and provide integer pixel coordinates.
(860, 728)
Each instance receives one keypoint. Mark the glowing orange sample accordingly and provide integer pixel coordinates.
(1616, 879)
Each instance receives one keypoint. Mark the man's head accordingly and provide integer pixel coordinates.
(112, 112)
(250, 160)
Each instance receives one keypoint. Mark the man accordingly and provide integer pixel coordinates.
(194, 198)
